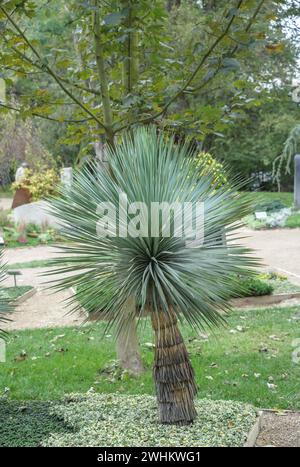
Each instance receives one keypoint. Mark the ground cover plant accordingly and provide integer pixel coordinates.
(19, 235)
(119, 420)
(277, 206)
(263, 197)
(293, 221)
(12, 293)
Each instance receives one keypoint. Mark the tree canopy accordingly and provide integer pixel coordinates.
(98, 68)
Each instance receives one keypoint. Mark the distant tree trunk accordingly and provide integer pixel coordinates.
(173, 3)
(172, 372)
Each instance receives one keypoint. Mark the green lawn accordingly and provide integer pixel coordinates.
(6, 193)
(37, 263)
(258, 197)
(235, 363)
(293, 221)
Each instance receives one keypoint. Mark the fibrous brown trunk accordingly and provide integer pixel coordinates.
(173, 373)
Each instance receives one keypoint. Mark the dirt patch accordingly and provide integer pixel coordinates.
(279, 429)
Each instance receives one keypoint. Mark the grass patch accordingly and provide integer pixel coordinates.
(283, 287)
(37, 263)
(6, 193)
(29, 243)
(293, 221)
(261, 197)
(238, 363)
(12, 293)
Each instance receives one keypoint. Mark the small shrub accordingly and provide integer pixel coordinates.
(272, 275)
(5, 219)
(293, 221)
(40, 184)
(270, 206)
(254, 287)
(20, 234)
(206, 164)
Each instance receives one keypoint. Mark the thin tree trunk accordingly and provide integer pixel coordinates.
(127, 343)
(173, 374)
(128, 350)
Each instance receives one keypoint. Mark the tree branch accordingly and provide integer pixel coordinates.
(53, 119)
(195, 72)
(107, 111)
(44, 66)
(235, 48)
(198, 67)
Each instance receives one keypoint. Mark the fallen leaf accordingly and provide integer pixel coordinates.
(59, 336)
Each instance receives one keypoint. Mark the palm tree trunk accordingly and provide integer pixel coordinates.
(173, 373)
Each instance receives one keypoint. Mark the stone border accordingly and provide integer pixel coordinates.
(245, 302)
(263, 300)
(254, 432)
(25, 296)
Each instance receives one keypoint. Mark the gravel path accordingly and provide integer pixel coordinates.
(279, 249)
(25, 254)
(279, 429)
(45, 308)
(5, 203)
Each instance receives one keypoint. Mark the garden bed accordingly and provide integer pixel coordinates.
(18, 294)
(121, 420)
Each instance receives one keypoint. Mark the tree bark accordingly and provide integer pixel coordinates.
(127, 343)
(173, 374)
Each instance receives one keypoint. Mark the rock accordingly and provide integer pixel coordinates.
(34, 213)
(22, 196)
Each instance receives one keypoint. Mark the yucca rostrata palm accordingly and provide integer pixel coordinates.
(169, 279)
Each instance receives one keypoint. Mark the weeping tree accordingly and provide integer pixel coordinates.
(5, 307)
(118, 253)
(283, 162)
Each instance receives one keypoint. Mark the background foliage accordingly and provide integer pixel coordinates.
(221, 72)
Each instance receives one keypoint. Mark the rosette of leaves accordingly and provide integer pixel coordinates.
(170, 280)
